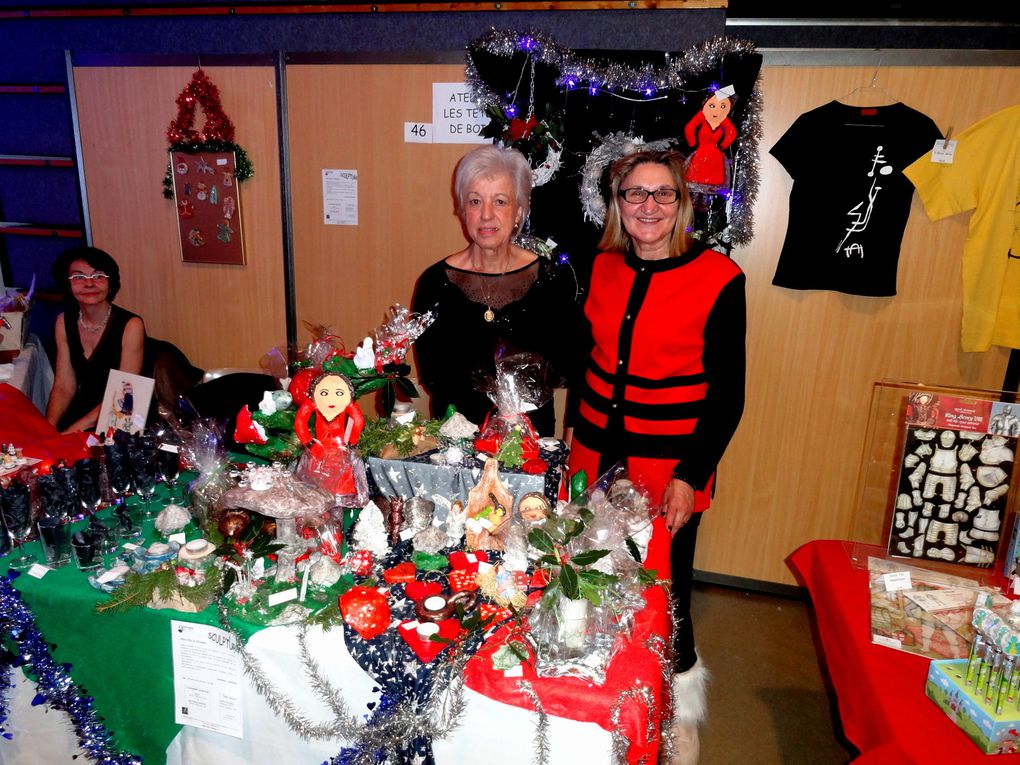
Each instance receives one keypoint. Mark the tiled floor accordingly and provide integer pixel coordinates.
(767, 701)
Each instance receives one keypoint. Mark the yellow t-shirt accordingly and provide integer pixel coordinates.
(984, 177)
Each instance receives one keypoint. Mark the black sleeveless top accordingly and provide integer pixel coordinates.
(91, 373)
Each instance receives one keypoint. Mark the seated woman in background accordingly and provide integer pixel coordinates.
(493, 296)
(93, 336)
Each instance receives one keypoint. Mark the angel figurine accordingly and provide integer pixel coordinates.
(328, 461)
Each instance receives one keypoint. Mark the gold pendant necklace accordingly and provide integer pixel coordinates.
(489, 314)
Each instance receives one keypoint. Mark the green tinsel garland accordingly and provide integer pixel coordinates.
(243, 168)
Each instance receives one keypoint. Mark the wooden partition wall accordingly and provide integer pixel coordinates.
(220, 316)
(791, 473)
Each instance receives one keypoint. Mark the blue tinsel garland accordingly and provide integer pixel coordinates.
(54, 683)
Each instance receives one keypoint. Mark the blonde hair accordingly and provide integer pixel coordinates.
(615, 236)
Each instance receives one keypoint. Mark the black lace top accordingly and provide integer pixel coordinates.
(533, 308)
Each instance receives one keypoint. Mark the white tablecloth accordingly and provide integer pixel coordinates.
(31, 373)
(489, 732)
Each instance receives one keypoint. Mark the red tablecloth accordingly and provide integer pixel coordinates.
(21, 424)
(635, 666)
(880, 690)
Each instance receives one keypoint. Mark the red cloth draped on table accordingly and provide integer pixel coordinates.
(880, 690)
(22, 424)
(577, 699)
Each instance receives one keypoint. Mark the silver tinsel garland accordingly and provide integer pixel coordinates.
(642, 83)
(662, 651)
(645, 81)
(440, 715)
(542, 726)
(620, 741)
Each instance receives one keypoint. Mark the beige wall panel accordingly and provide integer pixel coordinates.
(221, 316)
(352, 117)
(791, 473)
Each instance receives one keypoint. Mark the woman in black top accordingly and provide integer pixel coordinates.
(493, 297)
(93, 336)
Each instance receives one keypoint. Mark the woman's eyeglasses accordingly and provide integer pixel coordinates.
(637, 195)
(96, 276)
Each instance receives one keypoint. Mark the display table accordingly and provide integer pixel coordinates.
(124, 661)
(31, 373)
(880, 691)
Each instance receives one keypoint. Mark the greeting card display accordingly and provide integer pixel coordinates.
(955, 479)
(208, 207)
(125, 403)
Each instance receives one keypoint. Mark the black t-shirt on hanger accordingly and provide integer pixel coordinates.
(850, 200)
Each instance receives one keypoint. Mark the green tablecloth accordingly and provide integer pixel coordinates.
(123, 660)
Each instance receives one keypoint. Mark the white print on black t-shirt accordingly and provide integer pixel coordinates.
(861, 220)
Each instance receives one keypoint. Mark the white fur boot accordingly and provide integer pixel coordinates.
(690, 707)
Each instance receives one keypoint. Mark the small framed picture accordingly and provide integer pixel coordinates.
(125, 403)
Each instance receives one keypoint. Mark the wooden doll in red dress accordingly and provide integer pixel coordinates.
(338, 423)
(709, 132)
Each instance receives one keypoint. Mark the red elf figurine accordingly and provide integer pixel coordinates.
(328, 462)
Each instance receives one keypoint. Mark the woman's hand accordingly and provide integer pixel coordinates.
(677, 504)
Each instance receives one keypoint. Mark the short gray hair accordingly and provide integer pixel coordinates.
(487, 161)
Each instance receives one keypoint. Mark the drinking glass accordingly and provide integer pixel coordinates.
(54, 498)
(118, 470)
(142, 456)
(68, 494)
(90, 496)
(55, 538)
(16, 508)
(168, 460)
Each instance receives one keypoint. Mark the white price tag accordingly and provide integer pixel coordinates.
(417, 132)
(943, 152)
(897, 580)
(407, 534)
(169, 448)
(180, 538)
(283, 596)
(517, 671)
(130, 546)
(888, 642)
(38, 570)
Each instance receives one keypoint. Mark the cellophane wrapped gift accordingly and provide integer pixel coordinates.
(607, 531)
(337, 469)
(520, 385)
(393, 337)
(205, 454)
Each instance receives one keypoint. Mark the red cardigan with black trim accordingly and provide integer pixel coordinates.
(665, 377)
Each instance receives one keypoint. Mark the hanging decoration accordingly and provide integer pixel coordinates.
(53, 679)
(217, 135)
(535, 138)
(202, 175)
(703, 101)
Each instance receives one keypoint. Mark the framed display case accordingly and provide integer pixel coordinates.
(938, 475)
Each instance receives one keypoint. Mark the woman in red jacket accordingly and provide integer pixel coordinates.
(663, 390)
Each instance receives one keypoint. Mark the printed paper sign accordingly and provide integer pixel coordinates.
(340, 197)
(455, 117)
(207, 678)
